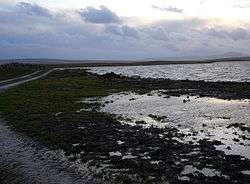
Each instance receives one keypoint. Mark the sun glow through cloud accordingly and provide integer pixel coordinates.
(151, 27)
(223, 9)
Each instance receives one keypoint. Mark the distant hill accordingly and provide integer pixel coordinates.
(200, 58)
(60, 61)
(233, 54)
(230, 56)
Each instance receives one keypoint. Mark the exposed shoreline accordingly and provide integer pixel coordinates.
(91, 135)
(223, 90)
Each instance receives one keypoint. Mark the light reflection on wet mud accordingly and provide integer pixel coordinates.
(198, 118)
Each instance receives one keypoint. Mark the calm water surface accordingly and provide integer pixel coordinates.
(224, 71)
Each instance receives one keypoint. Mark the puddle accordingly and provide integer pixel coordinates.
(183, 178)
(128, 156)
(247, 172)
(116, 153)
(189, 114)
(189, 169)
(197, 118)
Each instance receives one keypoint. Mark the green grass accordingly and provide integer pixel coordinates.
(9, 71)
(31, 108)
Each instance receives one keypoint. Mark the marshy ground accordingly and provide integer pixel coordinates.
(76, 111)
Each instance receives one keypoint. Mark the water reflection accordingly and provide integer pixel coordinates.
(197, 118)
(224, 71)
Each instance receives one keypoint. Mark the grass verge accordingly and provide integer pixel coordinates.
(14, 70)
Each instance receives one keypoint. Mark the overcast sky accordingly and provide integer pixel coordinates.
(123, 29)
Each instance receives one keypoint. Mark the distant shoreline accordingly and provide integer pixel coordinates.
(96, 63)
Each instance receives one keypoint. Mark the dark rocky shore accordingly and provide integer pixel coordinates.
(136, 155)
(223, 90)
(121, 153)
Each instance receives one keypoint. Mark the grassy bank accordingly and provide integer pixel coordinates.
(32, 107)
(14, 70)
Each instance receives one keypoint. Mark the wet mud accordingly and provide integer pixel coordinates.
(152, 147)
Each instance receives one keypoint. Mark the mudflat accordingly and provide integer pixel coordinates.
(63, 111)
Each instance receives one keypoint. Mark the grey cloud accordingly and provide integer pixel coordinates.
(169, 9)
(22, 35)
(192, 36)
(103, 15)
(240, 34)
(181, 25)
(217, 33)
(235, 34)
(33, 9)
(122, 31)
(129, 31)
(116, 30)
(157, 33)
(177, 33)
